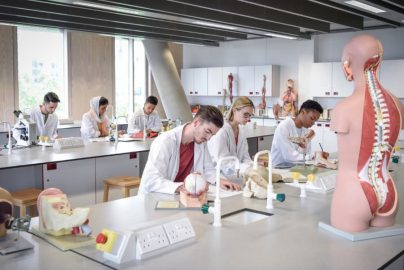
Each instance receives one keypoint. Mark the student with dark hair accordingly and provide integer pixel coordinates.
(45, 118)
(283, 149)
(145, 116)
(95, 122)
(183, 150)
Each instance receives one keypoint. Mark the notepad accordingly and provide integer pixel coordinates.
(168, 205)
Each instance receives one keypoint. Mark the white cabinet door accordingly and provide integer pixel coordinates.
(200, 81)
(187, 79)
(341, 87)
(246, 81)
(76, 178)
(215, 84)
(318, 138)
(225, 74)
(125, 164)
(259, 72)
(329, 139)
(265, 143)
(391, 75)
(321, 79)
(271, 122)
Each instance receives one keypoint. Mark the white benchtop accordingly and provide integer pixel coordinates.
(290, 239)
(35, 155)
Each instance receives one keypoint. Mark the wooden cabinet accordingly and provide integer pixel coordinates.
(76, 178)
(126, 164)
(328, 80)
(195, 81)
(391, 73)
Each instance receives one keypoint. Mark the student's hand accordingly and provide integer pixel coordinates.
(227, 185)
(325, 155)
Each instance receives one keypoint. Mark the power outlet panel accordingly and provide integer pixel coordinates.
(179, 230)
(150, 240)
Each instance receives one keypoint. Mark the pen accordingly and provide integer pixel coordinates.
(322, 150)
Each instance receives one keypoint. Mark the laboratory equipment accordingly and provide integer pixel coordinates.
(10, 144)
(24, 131)
(216, 210)
(270, 188)
(69, 142)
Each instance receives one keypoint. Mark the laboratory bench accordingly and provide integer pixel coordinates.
(80, 171)
(288, 239)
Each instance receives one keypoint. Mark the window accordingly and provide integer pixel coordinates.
(42, 67)
(130, 76)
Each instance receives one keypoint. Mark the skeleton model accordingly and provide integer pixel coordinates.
(256, 182)
(230, 79)
(367, 125)
(263, 103)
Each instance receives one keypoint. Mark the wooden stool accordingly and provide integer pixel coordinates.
(126, 183)
(26, 198)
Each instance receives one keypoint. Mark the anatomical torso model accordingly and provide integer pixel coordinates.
(367, 124)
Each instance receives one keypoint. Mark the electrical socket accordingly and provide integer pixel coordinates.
(179, 230)
(149, 240)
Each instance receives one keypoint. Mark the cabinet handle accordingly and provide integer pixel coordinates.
(47, 180)
(191, 92)
(261, 138)
(51, 166)
(132, 155)
(196, 92)
(327, 93)
(335, 93)
(251, 93)
(319, 125)
(257, 93)
(327, 125)
(219, 93)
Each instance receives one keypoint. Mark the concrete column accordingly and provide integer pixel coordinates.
(167, 80)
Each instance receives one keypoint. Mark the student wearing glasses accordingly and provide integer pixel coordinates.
(231, 140)
(183, 150)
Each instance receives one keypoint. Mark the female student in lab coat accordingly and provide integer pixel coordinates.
(231, 140)
(45, 118)
(95, 122)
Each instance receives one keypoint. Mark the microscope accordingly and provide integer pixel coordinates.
(24, 131)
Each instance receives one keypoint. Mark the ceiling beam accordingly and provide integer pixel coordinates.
(101, 30)
(131, 21)
(164, 7)
(395, 2)
(387, 5)
(312, 10)
(356, 11)
(111, 25)
(255, 12)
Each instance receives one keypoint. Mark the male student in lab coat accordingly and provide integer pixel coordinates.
(146, 116)
(178, 152)
(283, 149)
(45, 118)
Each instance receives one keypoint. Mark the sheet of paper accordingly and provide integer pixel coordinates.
(223, 193)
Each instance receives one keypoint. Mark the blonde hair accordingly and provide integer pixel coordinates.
(239, 103)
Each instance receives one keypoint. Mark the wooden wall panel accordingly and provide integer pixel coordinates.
(91, 70)
(8, 75)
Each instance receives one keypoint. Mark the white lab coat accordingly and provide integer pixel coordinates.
(283, 150)
(45, 129)
(163, 163)
(90, 120)
(223, 144)
(136, 122)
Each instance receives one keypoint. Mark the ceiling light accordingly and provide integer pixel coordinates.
(280, 36)
(107, 7)
(215, 25)
(364, 6)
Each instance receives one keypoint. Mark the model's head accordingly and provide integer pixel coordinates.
(50, 103)
(150, 104)
(309, 113)
(206, 123)
(360, 53)
(241, 111)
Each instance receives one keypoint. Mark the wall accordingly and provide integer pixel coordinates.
(293, 56)
(91, 70)
(8, 74)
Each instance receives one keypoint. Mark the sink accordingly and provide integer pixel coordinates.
(246, 216)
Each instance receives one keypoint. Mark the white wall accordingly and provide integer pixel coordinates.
(293, 56)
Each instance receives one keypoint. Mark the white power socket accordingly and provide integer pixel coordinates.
(179, 230)
(150, 240)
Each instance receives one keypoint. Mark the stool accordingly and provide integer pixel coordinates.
(126, 183)
(26, 198)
